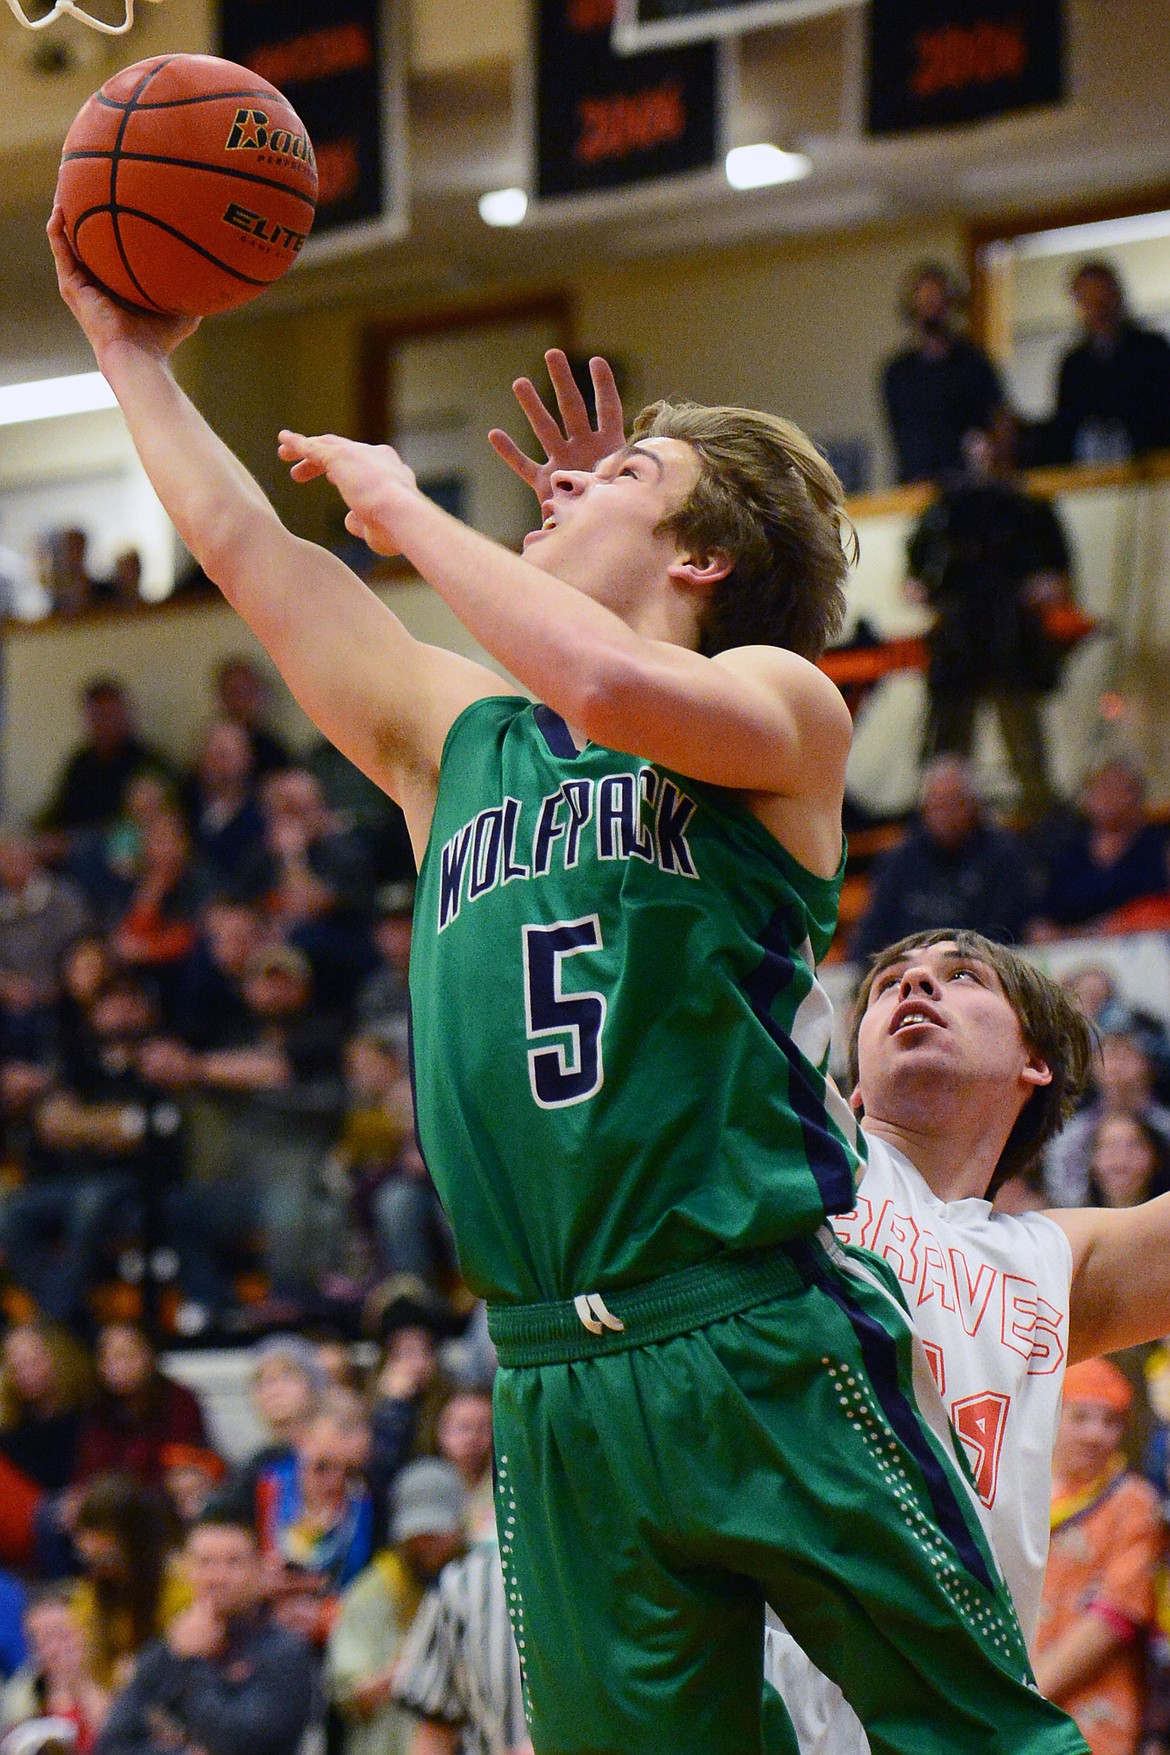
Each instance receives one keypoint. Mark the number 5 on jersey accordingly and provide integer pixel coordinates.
(569, 1070)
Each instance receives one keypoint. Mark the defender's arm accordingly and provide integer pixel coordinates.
(1120, 1293)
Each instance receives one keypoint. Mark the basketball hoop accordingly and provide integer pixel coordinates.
(68, 9)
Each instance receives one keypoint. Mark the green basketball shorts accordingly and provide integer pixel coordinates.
(759, 1429)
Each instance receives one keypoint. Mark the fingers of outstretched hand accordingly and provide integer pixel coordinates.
(506, 447)
(570, 401)
(607, 397)
(544, 426)
(69, 277)
(306, 456)
(301, 445)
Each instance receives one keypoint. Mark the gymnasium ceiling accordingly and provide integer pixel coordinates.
(799, 87)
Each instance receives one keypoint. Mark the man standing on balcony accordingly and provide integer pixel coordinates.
(988, 558)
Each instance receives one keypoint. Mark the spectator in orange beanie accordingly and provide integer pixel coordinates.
(1099, 1588)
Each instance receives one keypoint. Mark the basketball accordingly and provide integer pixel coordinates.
(187, 184)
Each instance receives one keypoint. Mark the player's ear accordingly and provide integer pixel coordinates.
(1037, 1071)
(856, 1103)
(702, 572)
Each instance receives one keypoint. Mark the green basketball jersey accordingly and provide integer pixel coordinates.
(620, 1045)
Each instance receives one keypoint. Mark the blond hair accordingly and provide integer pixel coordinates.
(766, 496)
(74, 1381)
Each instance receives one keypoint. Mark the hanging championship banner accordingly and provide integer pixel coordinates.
(937, 63)
(604, 122)
(339, 65)
(652, 24)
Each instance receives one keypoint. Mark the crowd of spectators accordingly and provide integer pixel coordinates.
(989, 557)
(59, 579)
(203, 1038)
(1110, 402)
(337, 1589)
(1101, 867)
(993, 564)
(208, 1136)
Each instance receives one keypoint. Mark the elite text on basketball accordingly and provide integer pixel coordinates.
(265, 231)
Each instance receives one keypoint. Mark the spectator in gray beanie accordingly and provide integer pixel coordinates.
(429, 1501)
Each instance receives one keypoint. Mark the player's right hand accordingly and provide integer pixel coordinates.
(107, 323)
(371, 479)
(572, 443)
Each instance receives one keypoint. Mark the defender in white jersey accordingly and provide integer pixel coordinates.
(989, 1293)
(965, 1060)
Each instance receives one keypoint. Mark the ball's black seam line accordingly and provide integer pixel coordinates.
(114, 156)
(174, 232)
(197, 97)
(158, 158)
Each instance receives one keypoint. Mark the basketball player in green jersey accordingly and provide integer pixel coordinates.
(620, 1049)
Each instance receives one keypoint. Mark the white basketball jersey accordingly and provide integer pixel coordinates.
(988, 1294)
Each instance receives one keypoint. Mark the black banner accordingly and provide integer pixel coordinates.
(935, 63)
(604, 122)
(650, 24)
(331, 58)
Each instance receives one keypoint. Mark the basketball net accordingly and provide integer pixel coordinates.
(68, 9)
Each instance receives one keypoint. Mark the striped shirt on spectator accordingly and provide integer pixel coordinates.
(460, 1665)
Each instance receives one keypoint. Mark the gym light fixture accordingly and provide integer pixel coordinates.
(754, 167)
(46, 398)
(503, 206)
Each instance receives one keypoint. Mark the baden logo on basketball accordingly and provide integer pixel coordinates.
(252, 131)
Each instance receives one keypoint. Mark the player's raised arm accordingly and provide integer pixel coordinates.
(667, 602)
(1121, 1275)
(382, 697)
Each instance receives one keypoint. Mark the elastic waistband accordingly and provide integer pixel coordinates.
(590, 1326)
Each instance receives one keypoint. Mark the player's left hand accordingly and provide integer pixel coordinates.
(371, 479)
(573, 442)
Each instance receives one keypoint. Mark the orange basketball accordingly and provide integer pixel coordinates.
(187, 184)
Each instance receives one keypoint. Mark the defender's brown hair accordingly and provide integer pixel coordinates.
(1051, 1023)
(767, 496)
